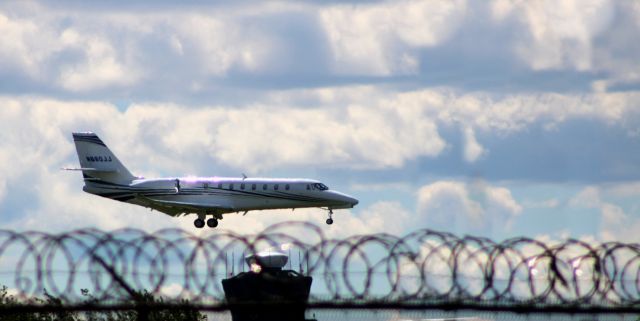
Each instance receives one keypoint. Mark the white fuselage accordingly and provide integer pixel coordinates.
(219, 195)
(106, 176)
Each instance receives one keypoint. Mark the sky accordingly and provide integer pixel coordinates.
(494, 118)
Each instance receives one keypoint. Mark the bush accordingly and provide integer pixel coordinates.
(141, 298)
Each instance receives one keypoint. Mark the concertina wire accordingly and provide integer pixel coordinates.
(422, 266)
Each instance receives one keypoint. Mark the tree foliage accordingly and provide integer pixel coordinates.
(144, 299)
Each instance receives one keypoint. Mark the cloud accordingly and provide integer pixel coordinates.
(444, 203)
(549, 203)
(75, 59)
(381, 38)
(211, 50)
(88, 51)
(100, 68)
(25, 45)
(3, 189)
(472, 149)
(615, 223)
(561, 34)
(589, 197)
(261, 138)
(40, 132)
(355, 128)
(464, 208)
(221, 43)
(586, 36)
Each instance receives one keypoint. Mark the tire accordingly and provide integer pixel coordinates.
(199, 223)
(212, 222)
(329, 221)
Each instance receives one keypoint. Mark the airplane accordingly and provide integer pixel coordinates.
(104, 175)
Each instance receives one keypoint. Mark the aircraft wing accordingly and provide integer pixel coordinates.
(174, 208)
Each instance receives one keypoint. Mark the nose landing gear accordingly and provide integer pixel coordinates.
(330, 220)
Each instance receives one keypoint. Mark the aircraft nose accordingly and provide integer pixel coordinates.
(345, 199)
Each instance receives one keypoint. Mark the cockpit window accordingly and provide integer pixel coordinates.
(320, 186)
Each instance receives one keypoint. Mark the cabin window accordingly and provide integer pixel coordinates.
(253, 187)
(242, 186)
(264, 187)
(286, 187)
(275, 187)
(308, 187)
(231, 186)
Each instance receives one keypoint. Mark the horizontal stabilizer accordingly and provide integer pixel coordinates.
(89, 169)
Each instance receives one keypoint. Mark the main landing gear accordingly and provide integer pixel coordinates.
(330, 220)
(199, 222)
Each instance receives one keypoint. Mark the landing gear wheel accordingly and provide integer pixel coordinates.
(330, 220)
(199, 223)
(212, 222)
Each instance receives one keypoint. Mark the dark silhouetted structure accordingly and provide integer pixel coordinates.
(267, 292)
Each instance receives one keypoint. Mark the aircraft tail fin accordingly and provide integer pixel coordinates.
(97, 161)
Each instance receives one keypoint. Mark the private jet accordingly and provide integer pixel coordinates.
(104, 175)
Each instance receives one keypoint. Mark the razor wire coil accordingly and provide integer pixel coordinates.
(422, 266)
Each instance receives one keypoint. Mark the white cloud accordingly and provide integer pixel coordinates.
(40, 132)
(80, 51)
(472, 149)
(500, 199)
(380, 38)
(260, 138)
(393, 129)
(560, 34)
(589, 197)
(25, 45)
(618, 226)
(33, 44)
(350, 127)
(3, 189)
(615, 223)
(451, 205)
(590, 36)
(101, 67)
(221, 43)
